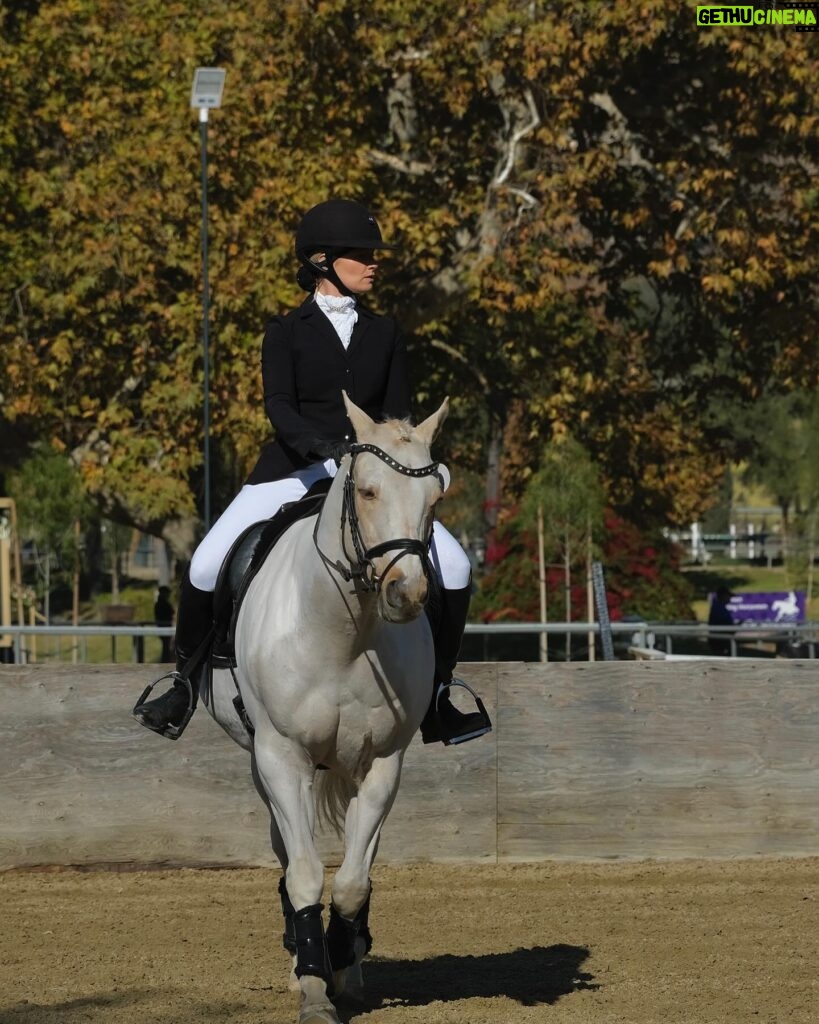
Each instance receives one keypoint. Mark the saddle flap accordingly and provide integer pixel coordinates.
(246, 556)
(236, 564)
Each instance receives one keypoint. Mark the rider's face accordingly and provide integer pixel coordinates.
(356, 270)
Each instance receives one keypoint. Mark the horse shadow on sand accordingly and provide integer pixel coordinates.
(542, 974)
(125, 1005)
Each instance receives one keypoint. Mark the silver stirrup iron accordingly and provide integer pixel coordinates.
(173, 732)
(486, 724)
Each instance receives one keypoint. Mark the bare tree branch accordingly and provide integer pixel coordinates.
(619, 135)
(480, 242)
(459, 356)
(414, 168)
(517, 136)
(402, 110)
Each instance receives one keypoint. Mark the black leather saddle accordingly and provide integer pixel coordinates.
(243, 561)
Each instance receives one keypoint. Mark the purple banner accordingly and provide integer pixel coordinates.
(774, 607)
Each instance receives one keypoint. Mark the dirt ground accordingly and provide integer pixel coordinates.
(690, 942)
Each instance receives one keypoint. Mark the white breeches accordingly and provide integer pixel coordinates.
(260, 501)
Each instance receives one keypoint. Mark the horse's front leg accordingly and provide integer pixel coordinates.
(286, 775)
(348, 935)
(276, 841)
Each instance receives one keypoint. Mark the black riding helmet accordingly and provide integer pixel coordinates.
(333, 228)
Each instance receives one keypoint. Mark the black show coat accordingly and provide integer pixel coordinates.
(304, 369)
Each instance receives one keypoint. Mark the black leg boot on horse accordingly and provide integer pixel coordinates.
(444, 722)
(169, 714)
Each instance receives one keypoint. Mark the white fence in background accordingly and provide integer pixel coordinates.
(745, 541)
(791, 640)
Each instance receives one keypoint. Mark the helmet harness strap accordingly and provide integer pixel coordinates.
(326, 268)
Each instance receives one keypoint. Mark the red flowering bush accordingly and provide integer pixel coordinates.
(641, 573)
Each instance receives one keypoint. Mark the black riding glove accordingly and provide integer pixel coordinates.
(325, 449)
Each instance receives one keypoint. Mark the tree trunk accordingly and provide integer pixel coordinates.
(47, 589)
(492, 493)
(567, 583)
(181, 534)
(75, 595)
(541, 560)
(114, 573)
(589, 590)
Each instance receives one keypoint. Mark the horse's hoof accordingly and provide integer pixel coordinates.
(355, 978)
(349, 984)
(316, 1008)
(351, 996)
(318, 1015)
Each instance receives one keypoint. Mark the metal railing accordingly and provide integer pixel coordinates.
(138, 634)
(757, 637)
(760, 638)
(651, 636)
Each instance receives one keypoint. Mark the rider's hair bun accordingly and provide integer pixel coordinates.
(306, 279)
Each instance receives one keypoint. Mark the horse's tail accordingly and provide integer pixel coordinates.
(333, 796)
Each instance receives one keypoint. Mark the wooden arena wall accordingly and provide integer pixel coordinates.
(587, 761)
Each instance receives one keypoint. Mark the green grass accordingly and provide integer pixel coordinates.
(96, 649)
(93, 650)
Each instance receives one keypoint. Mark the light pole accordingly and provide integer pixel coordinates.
(206, 94)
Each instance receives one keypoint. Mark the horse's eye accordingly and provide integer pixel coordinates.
(367, 493)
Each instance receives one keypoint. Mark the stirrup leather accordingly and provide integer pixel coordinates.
(173, 732)
(486, 721)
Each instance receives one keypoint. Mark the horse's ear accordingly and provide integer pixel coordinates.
(362, 424)
(428, 430)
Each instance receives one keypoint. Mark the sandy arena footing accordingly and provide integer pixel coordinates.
(694, 942)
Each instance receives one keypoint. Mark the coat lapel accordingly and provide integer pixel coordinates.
(312, 315)
(365, 320)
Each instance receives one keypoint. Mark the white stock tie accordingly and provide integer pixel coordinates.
(341, 312)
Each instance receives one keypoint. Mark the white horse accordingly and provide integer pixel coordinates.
(335, 664)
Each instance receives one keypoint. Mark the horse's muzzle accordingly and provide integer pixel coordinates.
(402, 599)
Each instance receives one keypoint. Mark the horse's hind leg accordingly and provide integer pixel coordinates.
(286, 776)
(348, 942)
(349, 935)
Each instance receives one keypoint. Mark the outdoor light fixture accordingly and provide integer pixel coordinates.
(208, 85)
(206, 94)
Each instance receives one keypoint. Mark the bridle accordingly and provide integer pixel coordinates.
(361, 566)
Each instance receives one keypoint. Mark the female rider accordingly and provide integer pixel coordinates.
(328, 344)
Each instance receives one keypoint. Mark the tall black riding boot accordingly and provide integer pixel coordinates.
(443, 721)
(169, 714)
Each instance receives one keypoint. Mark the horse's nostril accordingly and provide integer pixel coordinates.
(394, 593)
